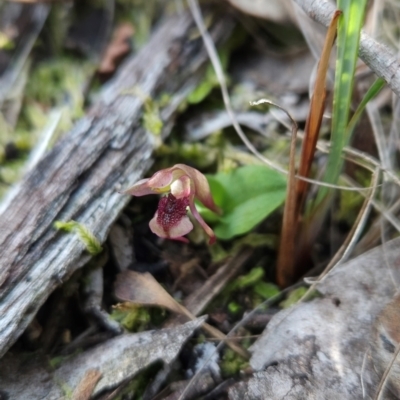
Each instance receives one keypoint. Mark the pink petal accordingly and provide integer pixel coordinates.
(183, 227)
(181, 187)
(158, 183)
(161, 180)
(201, 186)
(140, 188)
(203, 224)
(171, 220)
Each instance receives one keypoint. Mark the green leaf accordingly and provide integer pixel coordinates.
(201, 92)
(247, 215)
(247, 195)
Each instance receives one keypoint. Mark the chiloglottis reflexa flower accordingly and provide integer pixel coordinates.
(180, 185)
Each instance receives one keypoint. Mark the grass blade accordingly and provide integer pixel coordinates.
(349, 30)
(376, 87)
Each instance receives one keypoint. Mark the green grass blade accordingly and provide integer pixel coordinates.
(376, 87)
(349, 28)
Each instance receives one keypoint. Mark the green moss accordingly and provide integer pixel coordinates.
(5, 42)
(218, 253)
(231, 363)
(164, 99)
(23, 141)
(57, 361)
(92, 244)
(249, 289)
(200, 154)
(256, 240)
(132, 317)
(152, 121)
(59, 81)
(11, 171)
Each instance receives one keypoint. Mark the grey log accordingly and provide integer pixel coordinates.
(78, 179)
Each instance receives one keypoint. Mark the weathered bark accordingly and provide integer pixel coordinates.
(116, 361)
(107, 150)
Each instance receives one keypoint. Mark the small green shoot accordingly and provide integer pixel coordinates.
(92, 244)
(210, 80)
(234, 307)
(296, 295)
(251, 278)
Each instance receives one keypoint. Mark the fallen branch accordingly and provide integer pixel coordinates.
(115, 362)
(382, 60)
(107, 150)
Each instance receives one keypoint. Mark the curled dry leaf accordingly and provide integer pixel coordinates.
(143, 289)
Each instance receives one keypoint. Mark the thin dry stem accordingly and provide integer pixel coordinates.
(386, 374)
(348, 245)
(285, 264)
(212, 53)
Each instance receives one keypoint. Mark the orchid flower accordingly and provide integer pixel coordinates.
(181, 185)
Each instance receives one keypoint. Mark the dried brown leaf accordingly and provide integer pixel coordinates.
(317, 106)
(143, 289)
(286, 273)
